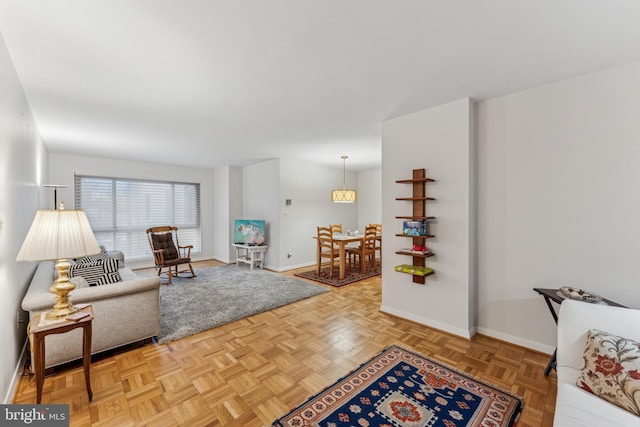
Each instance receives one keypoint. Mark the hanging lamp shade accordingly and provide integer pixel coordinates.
(344, 195)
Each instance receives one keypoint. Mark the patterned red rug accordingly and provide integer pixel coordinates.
(399, 387)
(351, 275)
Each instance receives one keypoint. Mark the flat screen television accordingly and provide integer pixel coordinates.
(249, 231)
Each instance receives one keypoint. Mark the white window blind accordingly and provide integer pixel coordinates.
(120, 211)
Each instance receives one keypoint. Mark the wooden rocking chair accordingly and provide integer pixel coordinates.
(167, 252)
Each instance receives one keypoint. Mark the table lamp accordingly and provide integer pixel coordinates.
(59, 235)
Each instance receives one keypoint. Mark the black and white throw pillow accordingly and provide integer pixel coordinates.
(99, 272)
(91, 258)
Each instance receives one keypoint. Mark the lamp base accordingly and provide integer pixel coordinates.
(61, 289)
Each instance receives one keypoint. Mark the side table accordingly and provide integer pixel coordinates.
(40, 330)
(555, 296)
(250, 254)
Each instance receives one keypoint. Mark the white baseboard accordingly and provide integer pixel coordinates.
(17, 373)
(522, 342)
(292, 267)
(429, 322)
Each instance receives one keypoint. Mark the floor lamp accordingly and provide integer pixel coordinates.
(55, 193)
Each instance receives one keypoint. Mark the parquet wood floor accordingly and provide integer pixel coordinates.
(250, 372)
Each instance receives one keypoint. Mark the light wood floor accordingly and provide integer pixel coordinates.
(250, 372)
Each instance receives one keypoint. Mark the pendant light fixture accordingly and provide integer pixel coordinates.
(344, 195)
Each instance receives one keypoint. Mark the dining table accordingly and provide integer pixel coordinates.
(342, 240)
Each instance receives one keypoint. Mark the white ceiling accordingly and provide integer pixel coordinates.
(212, 83)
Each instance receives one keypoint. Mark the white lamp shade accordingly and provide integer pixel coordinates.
(343, 196)
(58, 234)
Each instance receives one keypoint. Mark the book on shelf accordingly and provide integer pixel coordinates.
(413, 269)
(414, 252)
(415, 228)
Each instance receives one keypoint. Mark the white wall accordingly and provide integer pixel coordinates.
(23, 169)
(261, 199)
(369, 198)
(62, 168)
(256, 191)
(309, 186)
(440, 140)
(269, 184)
(227, 202)
(558, 199)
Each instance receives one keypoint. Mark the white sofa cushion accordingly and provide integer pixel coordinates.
(578, 407)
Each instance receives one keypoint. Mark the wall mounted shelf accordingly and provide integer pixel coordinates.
(417, 269)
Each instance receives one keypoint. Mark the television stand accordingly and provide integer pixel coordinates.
(250, 254)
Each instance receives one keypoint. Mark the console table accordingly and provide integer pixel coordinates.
(554, 295)
(250, 254)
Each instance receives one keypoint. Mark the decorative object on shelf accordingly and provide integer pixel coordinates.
(59, 235)
(416, 227)
(416, 250)
(414, 269)
(401, 387)
(578, 294)
(344, 195)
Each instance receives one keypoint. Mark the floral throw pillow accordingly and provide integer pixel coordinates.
(612, 370)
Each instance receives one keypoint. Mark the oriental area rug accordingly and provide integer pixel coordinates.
(351, 275)
(221, 295)
(399, 387)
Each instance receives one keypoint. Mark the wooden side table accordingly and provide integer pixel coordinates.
(554, 295)
(40, 331)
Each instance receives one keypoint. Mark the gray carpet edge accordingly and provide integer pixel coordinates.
(221, 295)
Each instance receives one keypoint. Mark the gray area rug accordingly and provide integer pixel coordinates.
(221, 295)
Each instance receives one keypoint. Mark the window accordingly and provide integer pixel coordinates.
(121, 210)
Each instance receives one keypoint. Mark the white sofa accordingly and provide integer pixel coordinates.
(124, 312)
(575, 406)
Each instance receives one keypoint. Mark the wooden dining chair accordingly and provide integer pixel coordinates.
(336, 228)
(326, 248)
(368, 249)
(379, 233)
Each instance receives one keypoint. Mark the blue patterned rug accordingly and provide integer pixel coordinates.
(399, 387)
